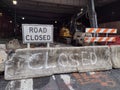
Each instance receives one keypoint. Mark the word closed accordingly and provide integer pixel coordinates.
(48, 61)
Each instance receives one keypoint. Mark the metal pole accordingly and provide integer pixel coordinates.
(92, 14)
(46, 60)
(48, 45)
(28, 45)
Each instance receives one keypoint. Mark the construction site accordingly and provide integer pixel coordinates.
(59, 45)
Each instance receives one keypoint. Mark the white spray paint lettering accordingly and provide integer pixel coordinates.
(68, 59)
(45, 59)
(32, 58)
(89, 60)
(64, 60)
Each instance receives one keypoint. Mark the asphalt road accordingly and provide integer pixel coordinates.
(105, 80)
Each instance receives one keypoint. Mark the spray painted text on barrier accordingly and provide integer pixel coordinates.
(45, 62)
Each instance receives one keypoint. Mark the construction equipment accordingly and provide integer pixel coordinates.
(77, 33)
(65, 32)
(65, 36)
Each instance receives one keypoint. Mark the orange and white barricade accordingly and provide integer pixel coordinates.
(100, 39)
(100, 30)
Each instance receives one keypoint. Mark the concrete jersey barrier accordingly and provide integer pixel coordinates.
(38, 62)
(115, 55)
(3, 56)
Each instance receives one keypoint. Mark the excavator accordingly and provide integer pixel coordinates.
(75, 33)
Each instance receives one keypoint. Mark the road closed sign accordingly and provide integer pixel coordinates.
(37, 33)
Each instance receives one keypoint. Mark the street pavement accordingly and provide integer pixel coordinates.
(104, 80)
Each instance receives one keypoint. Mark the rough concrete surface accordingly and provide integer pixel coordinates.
(3, 46)
(115, 55)
(103, 80)
(13, 44)
(3, 56)
(38, 62)
(20, 85)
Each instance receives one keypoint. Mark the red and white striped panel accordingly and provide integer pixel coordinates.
(100, 39)
(100, 30)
